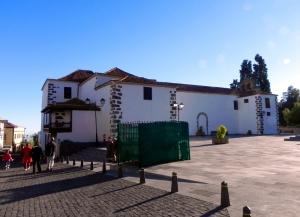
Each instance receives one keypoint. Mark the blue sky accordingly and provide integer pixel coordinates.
(199, 42)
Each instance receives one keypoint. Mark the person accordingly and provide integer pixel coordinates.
(115, 149)
(50, 154)
(109, 149)
(37, 155)
(26, 153)
(7, 158)
(14, 148)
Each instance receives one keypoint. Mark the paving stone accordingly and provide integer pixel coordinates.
(72, 191)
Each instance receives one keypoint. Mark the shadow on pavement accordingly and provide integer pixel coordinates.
(30, 175)
(155, 176)
(206, 145)
(23, 193)
(116, 190)
(143, 202)
(213, 211)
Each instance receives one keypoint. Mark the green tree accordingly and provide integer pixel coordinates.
(294, 116)
(260, 74)
(289, 98)
(235, 84)
(286, 114)
(246, 70)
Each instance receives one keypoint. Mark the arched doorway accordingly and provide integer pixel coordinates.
(205, 121)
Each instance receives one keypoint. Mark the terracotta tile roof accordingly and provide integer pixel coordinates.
(72, 104)
(204, 89)
(178, 86)
(118, 73)
(125, 77)
(138, 80)
(77, 76)
(8, 124)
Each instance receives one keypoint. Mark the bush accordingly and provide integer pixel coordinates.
(292, 117)
(221, 132)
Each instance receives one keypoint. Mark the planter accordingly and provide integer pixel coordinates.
(215, 141)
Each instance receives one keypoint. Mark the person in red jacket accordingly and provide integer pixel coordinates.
(26, 152)
(7, 159)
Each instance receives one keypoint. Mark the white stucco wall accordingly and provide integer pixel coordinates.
(45, 95)
(59, 89)
(101, 79)
(103, 117)
(247, 115)
(42, 138)
(270, 122)
(19, 134)
(1, 135)
(135, 108)
(83, 127)
(219, 109)
(87, 90)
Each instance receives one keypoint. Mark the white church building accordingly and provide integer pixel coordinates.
(84, 106)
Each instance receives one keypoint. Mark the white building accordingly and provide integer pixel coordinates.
(1, 135)
(10, 134)
(84, 106)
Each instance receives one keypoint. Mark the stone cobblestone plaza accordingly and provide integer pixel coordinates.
(262, 172)
(72, 191)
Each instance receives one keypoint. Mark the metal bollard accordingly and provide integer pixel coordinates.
(74, 162)
(81, 163)
(225, 202)
(142, 176)
(67, 159)
(92, 165)
(120, 171)
(174, 186)
(104, 167)
(246, 211)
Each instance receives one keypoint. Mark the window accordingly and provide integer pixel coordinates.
(147, 93)
(268, 113)
(246, 100)
(267, 102)
(235, 105)
(67, 92)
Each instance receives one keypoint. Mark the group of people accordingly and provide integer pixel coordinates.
(33, 156)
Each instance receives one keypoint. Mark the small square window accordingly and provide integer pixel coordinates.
(67, 92)
(147, 93)
(267, 102)
(268, 113)
(246, 100)
(235, 105)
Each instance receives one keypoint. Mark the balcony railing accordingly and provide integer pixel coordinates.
(59, 127)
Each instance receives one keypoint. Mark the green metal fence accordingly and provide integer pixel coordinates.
(153, 143)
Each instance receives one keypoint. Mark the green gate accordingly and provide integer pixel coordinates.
(153, 143)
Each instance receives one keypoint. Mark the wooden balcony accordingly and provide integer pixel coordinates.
(58, 127)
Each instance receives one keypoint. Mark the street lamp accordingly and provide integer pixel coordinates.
(178, 107)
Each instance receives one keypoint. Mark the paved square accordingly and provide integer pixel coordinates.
(72, 191)
(262, 172)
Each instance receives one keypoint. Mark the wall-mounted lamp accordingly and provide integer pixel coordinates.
(102, 102)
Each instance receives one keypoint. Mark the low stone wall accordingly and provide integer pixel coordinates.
(292, 130)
